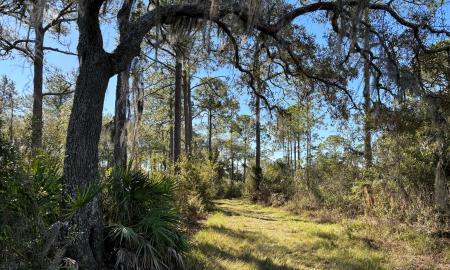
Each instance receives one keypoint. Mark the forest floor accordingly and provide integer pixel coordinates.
(243, 236)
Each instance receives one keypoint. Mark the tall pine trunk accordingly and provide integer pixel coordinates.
(367, 121)
(210, 156)
(258, 172)
(38, 67)
(187, 113)
(177, 108)
(295, 153)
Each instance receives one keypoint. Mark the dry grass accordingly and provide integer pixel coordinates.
(243, 236)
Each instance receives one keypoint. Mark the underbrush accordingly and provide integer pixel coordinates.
(143, 228)
(30, 196)
(199, 183)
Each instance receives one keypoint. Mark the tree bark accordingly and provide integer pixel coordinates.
(189, 92)
(210, 134)
(83, 134)
(440, 177)
(120, 138)
(366, 94)
(258, 176)
(187, 113)
(295, 153)
(81, 162)
(38, 66)
(170, 157)
(177, 108)
(138, 102)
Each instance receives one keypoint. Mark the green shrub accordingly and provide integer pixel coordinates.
(29, 203)
(229, 189)
(144, 228)
(250, 189)
(278, 183)
(198, 185)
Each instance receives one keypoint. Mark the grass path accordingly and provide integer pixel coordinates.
(243, 236)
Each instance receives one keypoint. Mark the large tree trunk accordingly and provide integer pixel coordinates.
(81, 162)
(38, 66)
(83, 134)
(187, 113)
(120, 138)
(177, 109)
(367, 121)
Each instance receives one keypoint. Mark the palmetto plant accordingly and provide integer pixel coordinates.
(144, 228)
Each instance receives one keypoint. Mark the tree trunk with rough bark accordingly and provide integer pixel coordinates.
(187, 117)
(440, 179)
(38, 67)
(120, 138)
(81, 162)
(138, 108)
(83, 134)
(366, 93)
(177, 108)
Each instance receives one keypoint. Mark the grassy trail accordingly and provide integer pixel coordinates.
(243, 236)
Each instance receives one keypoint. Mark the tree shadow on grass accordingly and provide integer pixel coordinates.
(215, 253)
(241, 235)
(244, 213)
(324, 252)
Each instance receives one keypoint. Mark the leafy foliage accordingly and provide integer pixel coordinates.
(197, 186)
(144, 228)
(29, 202)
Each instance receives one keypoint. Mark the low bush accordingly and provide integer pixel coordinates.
(198, 185)
(30, 196)
(144, 229)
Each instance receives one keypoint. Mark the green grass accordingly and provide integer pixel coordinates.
(243, 236)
